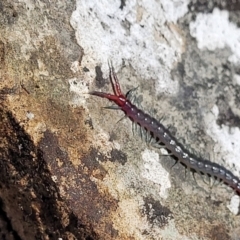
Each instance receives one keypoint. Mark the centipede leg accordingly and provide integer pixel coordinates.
(133, 128)
(141, 132)
(158, 144)
(202, 176)
(150, 139)
(121, 119)
(211, 181)
(129, 93)
(161, 119)
(193, 174)
(165, 154)
(146, 136)
(112, 107)
(176, 161)
(216, 181)
(186, 173)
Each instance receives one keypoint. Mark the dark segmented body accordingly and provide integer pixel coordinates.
(163, 136)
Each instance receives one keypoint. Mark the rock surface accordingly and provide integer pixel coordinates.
(68, 171)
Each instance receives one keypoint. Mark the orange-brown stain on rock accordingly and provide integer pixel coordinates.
(80, 191)
(61, 161)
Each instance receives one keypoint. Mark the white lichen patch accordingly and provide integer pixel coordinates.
(214, 30)
(54, 178)
(129, 219)
(227, 140)
(75, 67)
(175, 9)
(154, 172)
(171, 232)
(102, 143)
(234, 204)
(139, 32)
(236, 79)
(30, 115)
(80, 89)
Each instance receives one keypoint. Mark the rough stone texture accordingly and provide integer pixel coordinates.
(67, 169)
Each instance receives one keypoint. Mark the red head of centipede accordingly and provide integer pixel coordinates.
(119, 98)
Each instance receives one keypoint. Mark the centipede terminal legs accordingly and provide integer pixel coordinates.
(114, 80)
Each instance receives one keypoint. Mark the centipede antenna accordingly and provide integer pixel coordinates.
(111, 76)
(114, 80)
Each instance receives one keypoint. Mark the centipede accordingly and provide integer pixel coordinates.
(163, 137)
